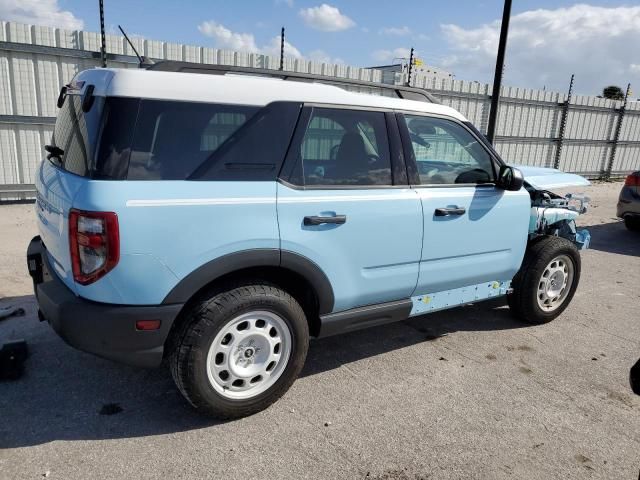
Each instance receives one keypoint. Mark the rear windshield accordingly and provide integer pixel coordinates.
(76, 133)
(141, 139)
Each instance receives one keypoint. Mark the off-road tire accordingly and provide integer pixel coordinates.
(203, 321)
(523, 299)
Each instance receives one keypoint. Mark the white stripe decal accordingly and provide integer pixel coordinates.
(347, 198)
(200, 201)
(265, 200)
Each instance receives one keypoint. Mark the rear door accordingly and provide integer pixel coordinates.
(475, 233)
(344, 203)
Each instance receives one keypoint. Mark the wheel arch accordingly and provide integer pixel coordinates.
(296, 274)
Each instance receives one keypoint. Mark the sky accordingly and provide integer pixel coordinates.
(548, 40)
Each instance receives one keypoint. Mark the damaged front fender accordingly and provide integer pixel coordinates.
(552, 214)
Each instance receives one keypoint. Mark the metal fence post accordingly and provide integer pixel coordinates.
(616, 134)
(282, 49)
(563, 124)
(410, 68)
(103, 40)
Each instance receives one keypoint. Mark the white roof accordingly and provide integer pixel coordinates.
(239, 89)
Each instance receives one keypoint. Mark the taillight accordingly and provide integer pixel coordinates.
(633, 180)
(94, 239)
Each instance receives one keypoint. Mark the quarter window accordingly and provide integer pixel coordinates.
(173, 139)
(446, 153)
(345, 147)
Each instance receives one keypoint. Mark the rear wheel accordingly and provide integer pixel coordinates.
(547, 280)
(240, 350)
(632, 223)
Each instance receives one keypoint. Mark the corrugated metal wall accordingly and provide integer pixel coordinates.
(36, 61)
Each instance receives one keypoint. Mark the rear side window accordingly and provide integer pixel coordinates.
(173, 139)
(344, 147)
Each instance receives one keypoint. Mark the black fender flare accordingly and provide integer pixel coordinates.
(259, 257)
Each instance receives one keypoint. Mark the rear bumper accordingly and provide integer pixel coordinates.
(105, 330)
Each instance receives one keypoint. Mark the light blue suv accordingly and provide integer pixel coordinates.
(217, 222)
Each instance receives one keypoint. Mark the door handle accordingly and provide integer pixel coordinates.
(446, 212)
(336, 219)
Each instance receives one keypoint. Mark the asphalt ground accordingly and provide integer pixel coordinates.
(492, 399)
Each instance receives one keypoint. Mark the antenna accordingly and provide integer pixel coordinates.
(131, 45)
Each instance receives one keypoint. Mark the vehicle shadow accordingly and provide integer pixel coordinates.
(69, 395)
(613, 237)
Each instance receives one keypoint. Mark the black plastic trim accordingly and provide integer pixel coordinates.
(364, 317)
(205, 274)
(314, 275)
(262, 257)
(105, 330)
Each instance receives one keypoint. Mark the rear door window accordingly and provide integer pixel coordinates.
(344, 147)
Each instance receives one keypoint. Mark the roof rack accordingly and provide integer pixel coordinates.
(408, 93)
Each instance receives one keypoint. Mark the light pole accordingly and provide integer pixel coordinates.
(497, 77)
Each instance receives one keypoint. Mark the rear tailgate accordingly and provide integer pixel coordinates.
(56, 190)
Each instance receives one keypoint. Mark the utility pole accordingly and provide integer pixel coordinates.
(282, 49)
(497, 78)
(103, 40)
(410, 68)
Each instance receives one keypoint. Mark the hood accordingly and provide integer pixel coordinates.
(542, 178)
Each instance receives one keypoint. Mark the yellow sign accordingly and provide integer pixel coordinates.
(417, 62)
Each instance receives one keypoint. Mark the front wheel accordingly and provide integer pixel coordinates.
(547, 280)
(240, 350)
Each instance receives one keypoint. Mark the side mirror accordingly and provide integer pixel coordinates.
(510, 178)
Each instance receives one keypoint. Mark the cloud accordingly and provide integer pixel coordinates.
(288, 3)
(391, 55)
(225, 38)
(246, 42)
(397, 31)
(321, 56)
(273, 48)
(39, 12)
(546, 46)
(326, 18)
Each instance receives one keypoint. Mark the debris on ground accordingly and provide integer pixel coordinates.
(12, 357)
(11, 311)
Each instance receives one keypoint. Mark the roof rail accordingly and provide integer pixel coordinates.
(400, 91)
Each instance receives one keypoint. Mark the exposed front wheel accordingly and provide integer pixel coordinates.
(547, 280)
(240, 350)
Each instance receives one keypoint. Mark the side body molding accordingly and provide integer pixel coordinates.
(260, 257)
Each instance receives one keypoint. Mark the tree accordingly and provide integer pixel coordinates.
(613, 92)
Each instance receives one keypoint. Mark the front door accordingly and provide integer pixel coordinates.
(343, 206)
(475, 233)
